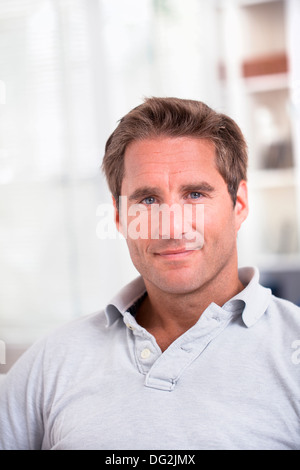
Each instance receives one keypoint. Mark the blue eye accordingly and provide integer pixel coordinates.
(148, 200)
(195, 195)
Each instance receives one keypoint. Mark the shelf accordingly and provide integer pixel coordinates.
(271, 64)
(265, 83)
(262, 64)
(272, 178)
(249, 3)
(279, 262)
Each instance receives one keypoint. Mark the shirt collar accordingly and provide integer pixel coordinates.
(124, 300)
(254, 298)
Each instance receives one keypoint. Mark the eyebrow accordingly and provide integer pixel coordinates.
(202, 186)
(144, 191)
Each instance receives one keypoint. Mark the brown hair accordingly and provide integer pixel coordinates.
(173, 117)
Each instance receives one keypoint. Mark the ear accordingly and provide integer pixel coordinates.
(116, 213)
(121, 222)
(241, 207)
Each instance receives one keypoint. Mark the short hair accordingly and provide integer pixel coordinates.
(174, 117)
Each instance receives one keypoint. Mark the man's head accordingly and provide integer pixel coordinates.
(173, 117)
(171, 153)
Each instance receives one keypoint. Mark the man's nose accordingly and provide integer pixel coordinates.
(167, 221)
(175, 221)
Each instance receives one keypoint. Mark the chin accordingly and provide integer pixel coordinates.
(178, 286)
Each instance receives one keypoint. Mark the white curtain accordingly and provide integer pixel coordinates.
(69, 70)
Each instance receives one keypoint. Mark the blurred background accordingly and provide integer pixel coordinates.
(69, 70)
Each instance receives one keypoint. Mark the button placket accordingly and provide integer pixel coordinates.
(146, 354)
(166, 371)
(144, 345)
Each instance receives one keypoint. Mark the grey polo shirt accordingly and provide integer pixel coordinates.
(101, 382)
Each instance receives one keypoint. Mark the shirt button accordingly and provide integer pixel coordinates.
(145, 353)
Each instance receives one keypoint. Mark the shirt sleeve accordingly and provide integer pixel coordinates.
(21, 411)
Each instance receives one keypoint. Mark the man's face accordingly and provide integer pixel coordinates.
(180, 171)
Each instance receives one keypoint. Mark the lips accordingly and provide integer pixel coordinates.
(172, 252)
(174, 255)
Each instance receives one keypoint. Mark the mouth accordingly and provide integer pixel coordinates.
(174, 254)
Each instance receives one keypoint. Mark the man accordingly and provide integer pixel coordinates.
(194, 354)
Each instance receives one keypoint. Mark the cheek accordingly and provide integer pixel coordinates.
(137, 248)
(137, 223)
(138, 255)
(219, 224)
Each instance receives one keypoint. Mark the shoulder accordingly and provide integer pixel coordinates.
(83, 333)
(58, 358)
(283, 316)
(41, 376)
(65, 344)
(87, 326)
(285, 307)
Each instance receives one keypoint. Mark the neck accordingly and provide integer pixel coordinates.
(167, 315)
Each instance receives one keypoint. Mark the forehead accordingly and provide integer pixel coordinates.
(172, 156)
